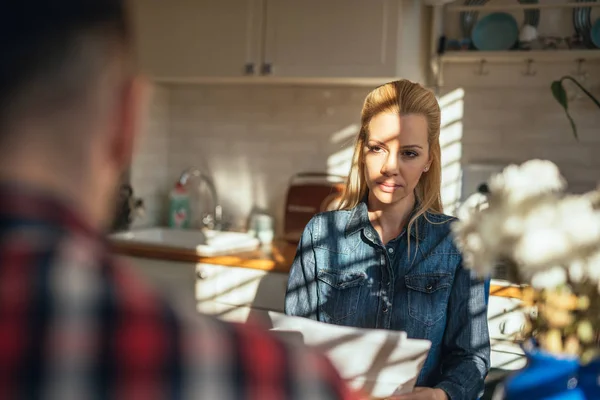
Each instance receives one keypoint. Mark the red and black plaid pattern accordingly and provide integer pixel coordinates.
(75, 325)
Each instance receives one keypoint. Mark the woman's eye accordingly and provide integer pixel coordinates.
(410, 154)
(375, 149)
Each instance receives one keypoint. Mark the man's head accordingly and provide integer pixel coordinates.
(70, 103)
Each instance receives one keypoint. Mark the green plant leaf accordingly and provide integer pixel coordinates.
(560, 94)
(572, 124)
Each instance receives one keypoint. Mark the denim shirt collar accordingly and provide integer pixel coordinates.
(359, 220)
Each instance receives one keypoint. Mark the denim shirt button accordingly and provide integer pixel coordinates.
(390, 250)
(385, 309)
(429, 287)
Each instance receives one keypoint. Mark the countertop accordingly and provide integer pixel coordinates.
(277, 257)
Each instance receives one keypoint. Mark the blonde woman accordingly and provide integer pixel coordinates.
(386, 259)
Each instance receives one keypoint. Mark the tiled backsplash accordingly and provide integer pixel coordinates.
(149, 169)
(510, 117)
(253, 138)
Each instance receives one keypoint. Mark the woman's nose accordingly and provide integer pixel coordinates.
(390, 166)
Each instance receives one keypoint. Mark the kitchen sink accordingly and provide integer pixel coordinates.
(206, 243)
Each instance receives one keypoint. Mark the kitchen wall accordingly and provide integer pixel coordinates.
(253, 138)
(149, 168)
(509, 118)
(509, 112)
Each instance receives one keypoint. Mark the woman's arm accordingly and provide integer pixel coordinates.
(301, 295)
(466, 345)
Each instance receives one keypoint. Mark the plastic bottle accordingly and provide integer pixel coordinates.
(179, 207)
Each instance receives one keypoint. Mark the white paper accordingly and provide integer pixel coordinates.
(379, 362)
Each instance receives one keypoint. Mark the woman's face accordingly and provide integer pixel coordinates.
(396, 154)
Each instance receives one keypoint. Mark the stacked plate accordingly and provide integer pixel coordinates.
(469, 18)
(496, 31)
(499, 31)
(588, 30)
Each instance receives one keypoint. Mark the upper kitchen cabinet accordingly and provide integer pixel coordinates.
(333, 38)
(270, 40)
(187, 39)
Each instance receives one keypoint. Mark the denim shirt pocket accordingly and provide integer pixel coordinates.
(340, 293)
(428, 296)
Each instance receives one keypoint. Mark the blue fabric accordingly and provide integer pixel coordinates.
(343, 274)
(545, 376)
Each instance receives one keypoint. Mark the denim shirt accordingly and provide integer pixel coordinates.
(343, 274)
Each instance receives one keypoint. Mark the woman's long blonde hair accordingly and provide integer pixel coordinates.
(400, 97)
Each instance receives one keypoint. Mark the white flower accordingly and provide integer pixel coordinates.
(530, 179)
(579, 220)
(593, 267)
(513, 225)
(577, 270)
(538, 248)
(549, 279)
(528, 223)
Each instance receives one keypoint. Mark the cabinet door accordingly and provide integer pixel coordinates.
(240, 287)
(175, 280)
(332, 38)
(183, 39)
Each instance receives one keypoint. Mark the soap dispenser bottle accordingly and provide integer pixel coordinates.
(179, 207)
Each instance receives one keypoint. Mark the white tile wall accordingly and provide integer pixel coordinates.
(253, 138)
(509, 118)
(150, 163)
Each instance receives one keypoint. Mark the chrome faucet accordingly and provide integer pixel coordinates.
(212, 220)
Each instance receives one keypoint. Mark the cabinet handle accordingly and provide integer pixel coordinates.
(267, 69)
(200, 274)
(502, 327)
(249, 69)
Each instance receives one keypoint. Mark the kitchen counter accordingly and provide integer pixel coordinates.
(277, 257)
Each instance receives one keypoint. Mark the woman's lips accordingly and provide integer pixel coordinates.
(388, 187)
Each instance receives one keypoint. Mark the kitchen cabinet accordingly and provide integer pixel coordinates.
(191, 40)
(506, 319)
(174, 280)
(238, 287)
(198, 286)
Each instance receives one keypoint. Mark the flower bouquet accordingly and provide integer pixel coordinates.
(549, 241)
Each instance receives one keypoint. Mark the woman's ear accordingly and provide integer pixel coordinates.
(428, 165)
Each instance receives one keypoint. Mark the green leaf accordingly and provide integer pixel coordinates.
(572, 124)
(560, 94)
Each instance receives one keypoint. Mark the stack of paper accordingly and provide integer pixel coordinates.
(379, 362)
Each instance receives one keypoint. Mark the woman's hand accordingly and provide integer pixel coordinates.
(423, 393)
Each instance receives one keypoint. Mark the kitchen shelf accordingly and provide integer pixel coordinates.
(484, 58)
(512, 7)
(519, 56)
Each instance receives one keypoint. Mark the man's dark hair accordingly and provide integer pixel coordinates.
(51, 49)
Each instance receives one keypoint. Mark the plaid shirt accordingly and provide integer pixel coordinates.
(75, 325)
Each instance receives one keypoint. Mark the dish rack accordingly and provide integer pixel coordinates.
(467, 11)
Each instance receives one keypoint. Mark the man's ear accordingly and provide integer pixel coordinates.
(133, 114)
